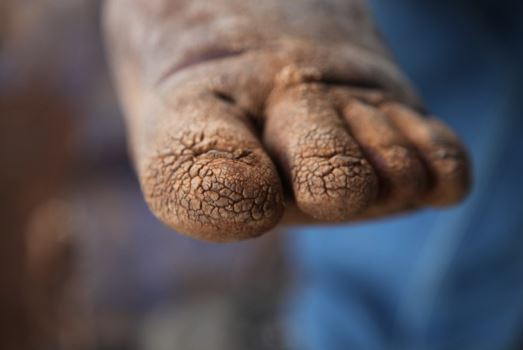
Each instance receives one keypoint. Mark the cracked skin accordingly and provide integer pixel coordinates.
(242, 114)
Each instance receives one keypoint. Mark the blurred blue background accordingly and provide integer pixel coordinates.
(448, 279)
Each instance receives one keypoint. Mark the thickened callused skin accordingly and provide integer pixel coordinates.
(233, 106)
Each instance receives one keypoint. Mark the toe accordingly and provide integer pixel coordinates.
(443, 154)
(401, 173)
(207, 176)
(330, 178)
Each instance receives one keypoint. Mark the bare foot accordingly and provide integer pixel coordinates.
(234, 105)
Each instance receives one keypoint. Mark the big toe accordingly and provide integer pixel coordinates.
(208, 176)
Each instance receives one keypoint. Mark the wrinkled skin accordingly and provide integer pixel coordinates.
(241, 112)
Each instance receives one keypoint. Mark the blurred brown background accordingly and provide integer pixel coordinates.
(84, 264)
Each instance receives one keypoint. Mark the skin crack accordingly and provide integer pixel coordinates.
(325, 166)
(335, 177)
(206, 183)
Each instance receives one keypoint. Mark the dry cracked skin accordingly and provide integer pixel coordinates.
(242, 112)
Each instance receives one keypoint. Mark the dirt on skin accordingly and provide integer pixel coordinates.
(262, 66)
(239, 111)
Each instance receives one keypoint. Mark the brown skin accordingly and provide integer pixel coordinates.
(234, 105)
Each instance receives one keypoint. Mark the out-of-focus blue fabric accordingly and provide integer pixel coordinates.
(450, 279)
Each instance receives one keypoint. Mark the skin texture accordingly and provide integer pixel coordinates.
(241, 111)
